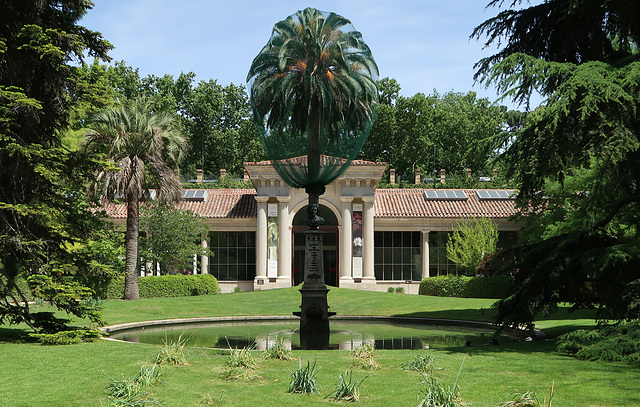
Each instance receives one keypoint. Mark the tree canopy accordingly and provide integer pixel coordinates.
(576, 157)
(43, 211)
(145, 147)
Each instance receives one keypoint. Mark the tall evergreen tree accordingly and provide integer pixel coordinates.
(582, 57)
(42, 209)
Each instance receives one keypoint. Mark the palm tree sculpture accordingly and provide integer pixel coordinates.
(141, 143)
(313, 90)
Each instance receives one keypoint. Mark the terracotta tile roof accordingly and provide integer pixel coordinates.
(411, 203)
(220, 203)
(325, 159)
(389, 203)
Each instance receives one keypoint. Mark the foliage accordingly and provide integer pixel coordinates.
(178, 285)
(399, 290)
(142, 143)
(278, 349)
(576, 156)
(303, 379)
(347, 389)
(471, 241)
(43, 210)
(391, 290)
(420, 363)
(68, 337)
(466, 287)
(611, 343)
(216, 119)
(172, 237)
(364, 356)
(172, 352)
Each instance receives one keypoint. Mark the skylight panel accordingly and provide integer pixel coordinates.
(445, 195)
(495, 195)
(194, 194)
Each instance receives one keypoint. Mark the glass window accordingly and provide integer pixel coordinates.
(439, 264)
(234, 256)
(395, 256)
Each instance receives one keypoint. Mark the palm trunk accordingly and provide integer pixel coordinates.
(131, 291)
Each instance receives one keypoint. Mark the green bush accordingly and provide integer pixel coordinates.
(610, 343)
(465, 287)
(178, 285)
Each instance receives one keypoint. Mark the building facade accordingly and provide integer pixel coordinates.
(373, 238)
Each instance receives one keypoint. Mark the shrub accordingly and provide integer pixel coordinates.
(390, 290)
(303, 380)
(177, 285)
(610, 343)
(465, 287)
(400, 290)
(68, 337)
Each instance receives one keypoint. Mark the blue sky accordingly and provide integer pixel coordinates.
(424, 45)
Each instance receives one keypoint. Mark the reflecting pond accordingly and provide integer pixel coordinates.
(344, 334)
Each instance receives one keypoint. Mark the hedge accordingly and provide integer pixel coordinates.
(465, 287)
(178, 285)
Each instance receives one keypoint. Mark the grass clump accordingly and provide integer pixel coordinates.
(527, 399)
(237, 374)
(303, 380)
(242, 358)
(129, 392)
(172, 352)
(420, 364)
(239, 365)
(364, 356)
(347, 389)
(278, 350)
(435, 394)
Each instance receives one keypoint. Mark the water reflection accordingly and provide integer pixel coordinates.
(344, 335)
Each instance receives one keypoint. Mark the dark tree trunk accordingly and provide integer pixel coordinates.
(131, 291)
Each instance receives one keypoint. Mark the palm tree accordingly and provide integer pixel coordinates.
(315, 74)
(141, 143)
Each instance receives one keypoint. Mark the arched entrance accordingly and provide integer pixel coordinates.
(329, 242)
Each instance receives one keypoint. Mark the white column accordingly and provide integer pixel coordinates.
(368, 274)
(261, 239)
(204, 260)
(425, 253)
(346, 249)
(284, 241)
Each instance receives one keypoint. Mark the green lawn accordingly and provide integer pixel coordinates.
(34, 375)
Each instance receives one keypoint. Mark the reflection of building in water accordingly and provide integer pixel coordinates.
(373, 239)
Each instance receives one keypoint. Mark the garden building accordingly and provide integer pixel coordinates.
(373, 238)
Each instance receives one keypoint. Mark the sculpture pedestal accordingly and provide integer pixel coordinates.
(314, 311)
